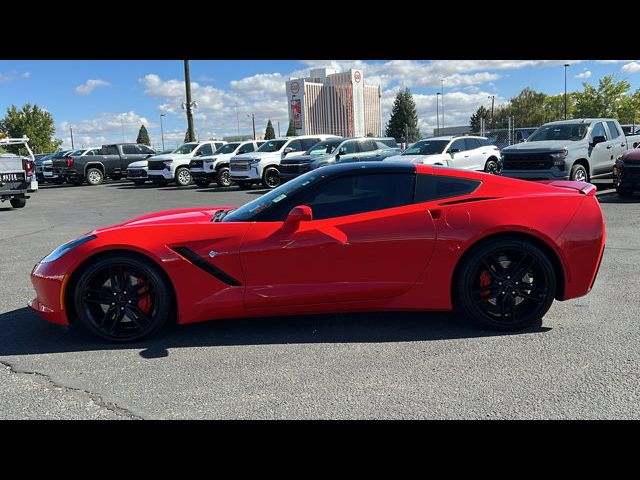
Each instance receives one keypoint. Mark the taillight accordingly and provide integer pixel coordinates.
(28, 167)
(70, 162)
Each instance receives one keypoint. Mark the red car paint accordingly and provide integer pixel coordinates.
(396, 259)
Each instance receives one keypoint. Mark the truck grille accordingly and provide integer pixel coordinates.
(294, 167)
(527, 161)
(240, 166)
(156, 165)
(137, 173)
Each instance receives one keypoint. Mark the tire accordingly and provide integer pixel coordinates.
(493, 270)
(116, 310)
(492, 166)
(223, 179)
(271, 177)
(624, 192)
(244, 185)
(94, 177)
(579, 173)
(18, 202)
(202, 182)
(139, 182)
(183, 177)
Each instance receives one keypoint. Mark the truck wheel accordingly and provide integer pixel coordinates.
(94, 177)
(271, 177)
(223, 179)
(579, 173)
(491, 166)
(18, 202)
(183, 177)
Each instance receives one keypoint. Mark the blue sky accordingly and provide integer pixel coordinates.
(101, 99)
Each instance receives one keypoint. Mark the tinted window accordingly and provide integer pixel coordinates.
(433, 187)
(295, 146)
(426, 147)
(348, 148)
(383, 146)
(598, 131)
(484, 142)
(566, 131)
(272, 146)
(368, 146)
(307, 143)
(129, 149)
(459, 144)
(246, 148)
(360, 193)
(389, 142)
(205, 150)
(471, 143)
(613, 129)
(146, 150)
(109, 150)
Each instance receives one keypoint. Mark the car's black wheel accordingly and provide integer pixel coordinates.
(579, 173)
(122, 298)
(183, 177)
(18, 202)
(202, 182)
(244, 185)
(624, 192)
(506, 284)
(94, 176)
(139, 182)
(271, 177)
(491, 166)
(223, 179)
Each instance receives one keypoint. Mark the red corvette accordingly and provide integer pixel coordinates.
(344, 238)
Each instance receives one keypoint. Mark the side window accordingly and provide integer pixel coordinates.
(129, 149)
(360, 193)
(484, 142)
(205, 150)
(307, 143)
(613, 130)
(349, 147)
(381, 145)
(367, 146)
(295, 146)
(458, 144)
(471, 143)
(146, 150)
(246, 148)
(434, 187)
(598, 131)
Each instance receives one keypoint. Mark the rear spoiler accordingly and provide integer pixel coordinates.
(582, 187)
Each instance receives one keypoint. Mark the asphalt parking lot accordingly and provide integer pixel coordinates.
(582, 362)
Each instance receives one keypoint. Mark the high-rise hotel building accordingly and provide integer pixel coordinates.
(334, 103)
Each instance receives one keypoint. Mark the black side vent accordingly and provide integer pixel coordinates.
(203, 264)
(467, 200)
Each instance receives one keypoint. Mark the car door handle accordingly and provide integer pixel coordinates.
(466, 156)
(608, 147)
(622, 145)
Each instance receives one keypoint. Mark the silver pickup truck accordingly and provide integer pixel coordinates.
(17, 173)
(578, 149)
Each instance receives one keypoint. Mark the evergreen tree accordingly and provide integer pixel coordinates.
(269, 133)
(143, 136)
(291, 132)
(403, 118)
(474, 121)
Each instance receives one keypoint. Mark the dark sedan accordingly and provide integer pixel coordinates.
(626, 173)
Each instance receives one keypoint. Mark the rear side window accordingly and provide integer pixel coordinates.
(368, 146)
(484, 142)
(458, 145)
(109, 150)
(144, 149)
(295, 146)
(129, 149)
(349, 147)
(389, 142)
(613, 129)
(471, 143)
(598, 131)
(434, 187)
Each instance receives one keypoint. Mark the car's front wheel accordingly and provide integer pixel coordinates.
(271, 177)
(223, 178)
(183, 177)
(122, 298)
(491, 166)
(579, 173)
(18, 202)
(505, 284)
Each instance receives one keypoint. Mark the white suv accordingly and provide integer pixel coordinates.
(215, 168)
(262, 165)
(465, 152)
(174, 166)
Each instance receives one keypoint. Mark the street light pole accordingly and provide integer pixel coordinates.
(71, 129)
(493, 98)
(253, 119)
(187, 84)
(442, 103)
(162, 130)
(565, 90)
(278, 128)
(238, 119)
(437, 113)
(122, 124)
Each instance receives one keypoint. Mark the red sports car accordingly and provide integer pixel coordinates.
(344, 238)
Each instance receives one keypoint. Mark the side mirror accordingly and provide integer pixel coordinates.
(454, 150)
(298, 214)
(287, 150)
(597, 140)
(342, 151)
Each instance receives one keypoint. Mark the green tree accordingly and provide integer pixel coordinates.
(291, 131)
(474, 121)
(35, 123)
(610, 99)
(143, 136)
(269, 133)
(403, 118)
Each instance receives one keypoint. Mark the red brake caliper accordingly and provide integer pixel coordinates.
(485, 281)
(145, 302)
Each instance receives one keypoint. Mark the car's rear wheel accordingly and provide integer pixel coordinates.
(507, 284)
(18, 202)
(271, 177)
(183, 177)
(491, 166)
(122, 298)
(579, 173)
(94, 176)
(224, 179)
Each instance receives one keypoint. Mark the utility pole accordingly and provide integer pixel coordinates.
(406, 136)
(565, 90)
(278, 128)
(187, 84)
(253, 119)
(238, 119)
(162, 130)
(122, 124)
(71, 129)
(442, 102)
(493, 98)
(437, 114)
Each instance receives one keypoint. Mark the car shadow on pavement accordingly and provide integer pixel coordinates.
(613, 197)
(24, 333)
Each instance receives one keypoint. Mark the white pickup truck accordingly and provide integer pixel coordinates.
(578, 149)
(17, 173)
(174, 166)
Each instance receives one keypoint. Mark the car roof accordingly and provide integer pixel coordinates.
(580, 120)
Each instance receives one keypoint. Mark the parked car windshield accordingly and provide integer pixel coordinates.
(272, 146)
(186, 148)
(426, 147)
(323, 148)
(60, 154)
(228, 148)
(273, 198)
(566, 131)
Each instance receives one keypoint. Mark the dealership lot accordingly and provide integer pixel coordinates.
(582, 362)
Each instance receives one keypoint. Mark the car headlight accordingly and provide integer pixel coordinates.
(558, 158)
(167, 163)
(65, 248)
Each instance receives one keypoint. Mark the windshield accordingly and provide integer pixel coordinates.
(228, 148)
(273, 198)
(427, 147)
(323, 148)
(76, 153)
(186, 148)
(272, 146)
(566, 131)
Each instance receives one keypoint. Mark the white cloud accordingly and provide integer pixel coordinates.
(631, 67)
(106, 127)
(611, 61)
(25, 74)
(12, 75)
(585, 74)
(90, 85)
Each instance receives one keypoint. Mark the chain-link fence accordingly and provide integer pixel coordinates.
(503, 137)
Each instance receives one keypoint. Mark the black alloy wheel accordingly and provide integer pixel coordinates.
(507, 284)
(224, 178)
(271, 177)
(121, 298)
(492, 167)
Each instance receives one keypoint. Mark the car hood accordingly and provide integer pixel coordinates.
(252, 155)
(307, 158)
(171, 156)
(166, 217)
(139, 164)
(546, 146)
(632, 156)
(219, 156)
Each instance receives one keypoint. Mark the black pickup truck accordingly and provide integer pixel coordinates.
(111, 162)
